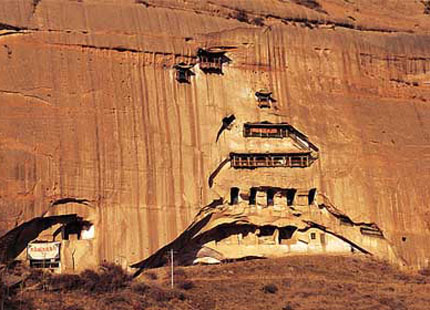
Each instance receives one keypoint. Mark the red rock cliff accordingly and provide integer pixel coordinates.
(90, 109)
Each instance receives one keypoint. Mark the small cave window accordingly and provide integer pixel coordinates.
(234, 195)
(313, 236)
(311, 196)
(264, 98)
(291, 193)
(253, 196)
(183, 72)
(270, 197)
(346, 221)
(80, 228)
(286, 233)
(266, 231)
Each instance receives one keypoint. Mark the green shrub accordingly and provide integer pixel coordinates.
(270, 289)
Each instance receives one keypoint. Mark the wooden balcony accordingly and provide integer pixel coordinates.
(212, 60)
(264, 130)
(210, 63)
(286, 160)
(280, 130)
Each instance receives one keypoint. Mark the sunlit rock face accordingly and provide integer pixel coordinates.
(91, 108)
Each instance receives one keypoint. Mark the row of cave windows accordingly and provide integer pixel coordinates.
(286, 233)
(289, 193)
(283, 233)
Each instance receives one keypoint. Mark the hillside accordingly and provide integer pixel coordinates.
(94, 122)
(293, 283)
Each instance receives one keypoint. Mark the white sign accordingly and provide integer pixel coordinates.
(45, 250)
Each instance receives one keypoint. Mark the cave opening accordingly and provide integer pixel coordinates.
(266, 231)
(346, 221)
(286, 233)
(212, 60)
(183, 73)
(270, 197)
(81, 229)
(234, 195)
(252, 196)
(264, 98)
(311, 196)
(291, 193)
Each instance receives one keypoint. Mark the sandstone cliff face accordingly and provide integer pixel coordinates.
(90, 109)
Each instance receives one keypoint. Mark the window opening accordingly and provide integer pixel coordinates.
(311, 196)
(346, 221)
(291, 193)
(313, 236)
(286, 232)
(266, 231)
(234, 195)
(270, 197)
(183, 72)
(264, 98)
(75, 228)
(252, 196)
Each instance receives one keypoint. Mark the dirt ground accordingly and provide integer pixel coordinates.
(292, 283)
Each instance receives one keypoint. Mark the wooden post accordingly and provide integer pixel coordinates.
(171, 260)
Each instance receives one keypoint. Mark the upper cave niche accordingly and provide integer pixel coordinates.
(264, 98)
(212, 60)
(79, 229)
(183, 72)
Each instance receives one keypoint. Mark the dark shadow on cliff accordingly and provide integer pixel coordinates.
(17, 239)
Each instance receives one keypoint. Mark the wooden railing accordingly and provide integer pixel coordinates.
(270, 160)
(210, 63)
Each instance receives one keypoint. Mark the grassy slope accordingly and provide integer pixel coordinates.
(300, 282)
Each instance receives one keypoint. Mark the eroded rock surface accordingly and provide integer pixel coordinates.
(91, 110)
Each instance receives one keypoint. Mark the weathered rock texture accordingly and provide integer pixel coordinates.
(90, 109)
